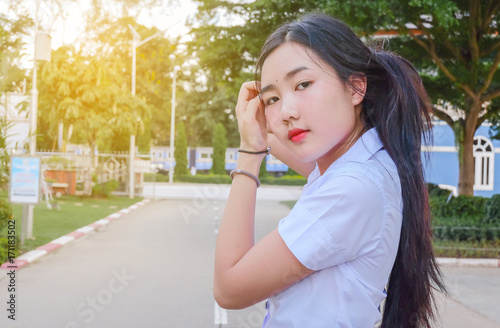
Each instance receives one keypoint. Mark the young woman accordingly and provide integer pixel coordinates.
(351, 119)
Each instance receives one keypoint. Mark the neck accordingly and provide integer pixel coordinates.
(341, 148)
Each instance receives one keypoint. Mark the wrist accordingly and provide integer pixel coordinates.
(250, 162)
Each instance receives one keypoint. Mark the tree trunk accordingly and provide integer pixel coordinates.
(466, 166)
(466, 159)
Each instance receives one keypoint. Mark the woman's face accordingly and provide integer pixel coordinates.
(307, 106)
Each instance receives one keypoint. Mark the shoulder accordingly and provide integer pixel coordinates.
(373, 183)
(351, 178)
(341, 216)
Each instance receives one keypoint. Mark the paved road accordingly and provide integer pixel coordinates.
(154, 268)
(475, 300)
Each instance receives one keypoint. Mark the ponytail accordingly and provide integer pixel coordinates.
(396, 104)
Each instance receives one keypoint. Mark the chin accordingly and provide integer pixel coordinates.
(304, 155)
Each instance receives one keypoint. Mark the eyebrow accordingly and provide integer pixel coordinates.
(288, 76)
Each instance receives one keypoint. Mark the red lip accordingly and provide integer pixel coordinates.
(297, 135)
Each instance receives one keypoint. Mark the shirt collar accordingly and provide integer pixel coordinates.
(365, 147)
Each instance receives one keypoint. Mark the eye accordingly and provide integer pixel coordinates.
(271, 100)
(303, 85)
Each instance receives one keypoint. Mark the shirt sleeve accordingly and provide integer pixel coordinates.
(337, 222)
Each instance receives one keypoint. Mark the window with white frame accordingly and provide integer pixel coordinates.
(484, 163)
(230, 156)
(205, 154)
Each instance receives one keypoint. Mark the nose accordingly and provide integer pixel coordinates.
(289, 108)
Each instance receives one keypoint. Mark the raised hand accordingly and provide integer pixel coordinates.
(251, 118)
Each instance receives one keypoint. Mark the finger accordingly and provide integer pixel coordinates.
(268, 128)
(257, 86)
(249, 90)
(254, 105)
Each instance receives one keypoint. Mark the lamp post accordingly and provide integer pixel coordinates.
(34, 91)
(27, 218)
(136, 43)
(41, 52)
(172, 122)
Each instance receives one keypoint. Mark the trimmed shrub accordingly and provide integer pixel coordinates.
(103, 190)
(291, 172)
(5, 216)
(492, 210)
(262, 170)
(435, 191)
(5, 213)
(466, 218)
(180, 151)
(225, 179)
(285, 180)
(204, 178)
(219, 145)
(461, 207)
(156, 177)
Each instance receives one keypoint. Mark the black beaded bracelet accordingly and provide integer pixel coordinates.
(267, 151)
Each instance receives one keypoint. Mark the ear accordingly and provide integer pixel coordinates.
(358, 88)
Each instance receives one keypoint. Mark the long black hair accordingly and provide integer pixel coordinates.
(397, 105)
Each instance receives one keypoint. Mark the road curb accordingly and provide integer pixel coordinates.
(43, 250)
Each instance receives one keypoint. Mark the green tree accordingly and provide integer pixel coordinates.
(456, 47)
(263, 170)
(180, 151)
(5, 216)
(12, 76)
(87, 96)
(219, 145)
(112, 39)
(4, 155)
(453, 43)
(12, 32)
(495, 120)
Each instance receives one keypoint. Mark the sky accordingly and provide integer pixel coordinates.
(75, 22)
(69, 30)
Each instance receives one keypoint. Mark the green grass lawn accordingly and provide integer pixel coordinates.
(467, 249)
(75, 212)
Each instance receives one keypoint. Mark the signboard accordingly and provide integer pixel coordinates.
(43, 48)
(25, 173)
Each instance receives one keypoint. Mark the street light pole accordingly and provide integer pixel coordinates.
(41, 51)
(172, 122)
(27, 219)
(34, 90)
(134, 59)
(136, 43)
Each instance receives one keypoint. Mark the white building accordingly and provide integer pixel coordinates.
(18, 124)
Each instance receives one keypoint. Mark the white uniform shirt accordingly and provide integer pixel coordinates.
(345, 226)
